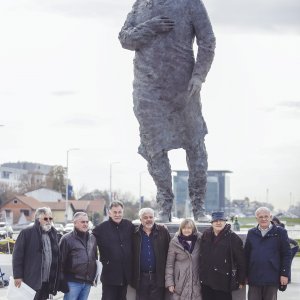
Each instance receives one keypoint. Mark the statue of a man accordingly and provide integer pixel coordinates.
(166, 90)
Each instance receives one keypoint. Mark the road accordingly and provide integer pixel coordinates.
(292, 292)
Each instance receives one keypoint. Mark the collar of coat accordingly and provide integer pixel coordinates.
(155, 229)
(274, 231)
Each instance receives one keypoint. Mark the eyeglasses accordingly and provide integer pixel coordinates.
(47, 219)
(263, 217)
(84, 222)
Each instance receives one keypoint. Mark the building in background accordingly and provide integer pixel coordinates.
(217, 192)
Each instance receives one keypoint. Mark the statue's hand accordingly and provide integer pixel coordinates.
(161, 24)
(195, 85)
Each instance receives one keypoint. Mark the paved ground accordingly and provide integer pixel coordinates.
(292, 292)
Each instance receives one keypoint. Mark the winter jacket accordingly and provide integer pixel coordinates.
(161, 240)
(215, 258)
(115, 246)
(78, 260)
(268, 257)
(182, 270)
(27, 258)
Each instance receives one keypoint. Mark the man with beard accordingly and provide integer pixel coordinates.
(36, 255)
(150, 250)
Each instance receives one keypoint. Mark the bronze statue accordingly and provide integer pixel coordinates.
(166, 90)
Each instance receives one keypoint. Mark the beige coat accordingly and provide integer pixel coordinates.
(182, 271)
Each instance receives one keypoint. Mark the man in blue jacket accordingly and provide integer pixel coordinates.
(268, 257)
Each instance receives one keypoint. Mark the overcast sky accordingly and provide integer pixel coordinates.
(65, 82)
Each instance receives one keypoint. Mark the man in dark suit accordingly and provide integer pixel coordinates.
(114, 240)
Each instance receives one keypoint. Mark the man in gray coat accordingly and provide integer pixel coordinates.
(166, 90)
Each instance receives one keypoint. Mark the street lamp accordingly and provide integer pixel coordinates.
(140, 189)
(67, 183)
(110, 179)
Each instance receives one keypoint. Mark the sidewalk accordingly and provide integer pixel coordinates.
(292, 292)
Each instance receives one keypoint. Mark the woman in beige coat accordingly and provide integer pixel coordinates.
(182, 268)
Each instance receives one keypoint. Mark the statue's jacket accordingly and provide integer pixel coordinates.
(163, 66)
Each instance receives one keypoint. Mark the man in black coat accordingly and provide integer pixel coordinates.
(36, 255)
(114, 240)
(150, 250)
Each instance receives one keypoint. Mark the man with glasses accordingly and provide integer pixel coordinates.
(35, 258)
(114, 239)
(268, 257)
(78, 255)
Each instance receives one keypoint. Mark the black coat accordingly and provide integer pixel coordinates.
(161, 240)
(78, 260)
(28, 255)
(215, 259)
(115, 246)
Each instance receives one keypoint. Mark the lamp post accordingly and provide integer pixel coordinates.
(67, 184)
(140, 189)
(110, 179)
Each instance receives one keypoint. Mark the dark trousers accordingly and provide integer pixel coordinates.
(43, 293)
(210, 294)
(267, 292)
(114, 292)
(148, 289)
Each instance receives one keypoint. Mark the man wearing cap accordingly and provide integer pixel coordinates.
(268, 256)
(217, 246)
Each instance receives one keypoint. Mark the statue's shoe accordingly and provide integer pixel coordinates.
(163, 217)
(202, 218)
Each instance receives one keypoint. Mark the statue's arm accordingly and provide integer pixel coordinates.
(134, 36)
(205, 40)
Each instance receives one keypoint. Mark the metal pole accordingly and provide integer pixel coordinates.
(67, 184)
(110, 180)
(140, 189)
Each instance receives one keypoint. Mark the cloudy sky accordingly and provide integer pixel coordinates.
(65, 82)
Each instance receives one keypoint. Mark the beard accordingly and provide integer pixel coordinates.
(46, 227)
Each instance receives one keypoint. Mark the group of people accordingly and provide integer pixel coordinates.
(189, 266)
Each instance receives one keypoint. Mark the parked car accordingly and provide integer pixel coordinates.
(59, 227)
(69, 227)
(5, 230)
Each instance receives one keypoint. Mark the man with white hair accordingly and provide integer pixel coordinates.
(78, 258)
(150, 250)
(268, 257)
(36, 256)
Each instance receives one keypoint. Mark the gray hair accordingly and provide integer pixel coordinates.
(146, 210)
(187, 222)
(42, 211)
(116, 204)
(262, 209)
(79, 214)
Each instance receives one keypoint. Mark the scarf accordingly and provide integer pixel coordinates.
(184, 241)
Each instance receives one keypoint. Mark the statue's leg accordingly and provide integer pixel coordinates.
(160, 170)
(196, 158)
